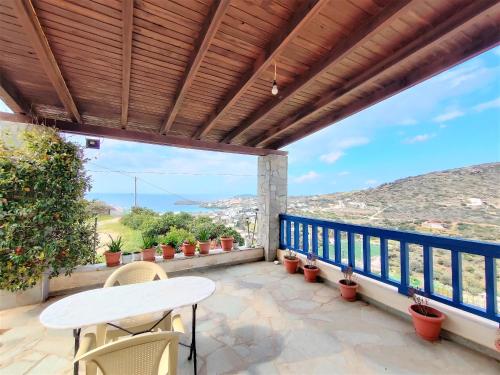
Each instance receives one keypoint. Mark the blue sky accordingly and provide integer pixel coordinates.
(449, 121)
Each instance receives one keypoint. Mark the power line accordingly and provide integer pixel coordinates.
(173, 173)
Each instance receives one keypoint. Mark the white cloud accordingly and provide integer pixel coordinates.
(447, 116)
(495, 103)
(352, 142)
(309, 176)
(419, 138)
(408, 121)
(343, 173)
(331, 157)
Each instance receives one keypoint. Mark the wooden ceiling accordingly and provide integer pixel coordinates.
(198, 73)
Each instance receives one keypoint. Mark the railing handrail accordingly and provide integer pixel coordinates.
(448, 243)
(490, 251)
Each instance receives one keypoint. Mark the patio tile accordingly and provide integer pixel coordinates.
(275, 324)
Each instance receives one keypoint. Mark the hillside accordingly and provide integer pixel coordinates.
(462, 202)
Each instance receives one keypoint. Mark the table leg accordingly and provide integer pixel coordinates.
(192, 350)
(76, 335)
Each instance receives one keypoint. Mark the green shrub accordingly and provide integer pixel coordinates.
(43, 215)
(189, 239)
(137, 217)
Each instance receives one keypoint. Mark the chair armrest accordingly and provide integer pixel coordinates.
(87, 343)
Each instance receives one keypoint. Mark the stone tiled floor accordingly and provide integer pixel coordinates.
(264, 321)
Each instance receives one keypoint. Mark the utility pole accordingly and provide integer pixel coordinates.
(135, 191)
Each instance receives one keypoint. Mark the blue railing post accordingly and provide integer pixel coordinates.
(289, 234)
(491, 286)
(282, 234)
(336, 244)
(428, 270)
(366, 254)
(296, 233)
(456, 276)
(351, 261)
(305, 237)
(326, 244)
(384, 261)
(315, 239)
(404, 267)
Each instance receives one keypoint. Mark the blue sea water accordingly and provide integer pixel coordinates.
(157, 202)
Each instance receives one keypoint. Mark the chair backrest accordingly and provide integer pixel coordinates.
(136, 272)
(146, 354)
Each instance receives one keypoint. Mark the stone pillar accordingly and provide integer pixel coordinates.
(272, 192)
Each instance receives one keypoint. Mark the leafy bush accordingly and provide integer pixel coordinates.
(44, 221)
(137, 217)
(171, 238)
(189, 239)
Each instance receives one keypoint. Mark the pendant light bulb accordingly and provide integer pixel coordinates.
(274, 90)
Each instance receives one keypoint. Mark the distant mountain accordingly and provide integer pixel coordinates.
(463, 201)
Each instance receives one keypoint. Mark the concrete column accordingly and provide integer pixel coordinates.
(272, 192)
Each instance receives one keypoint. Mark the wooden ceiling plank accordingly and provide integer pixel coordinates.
(207, 33)
(128, 27)
(137, 136)
(363, 33)
(307, 11)
(480, 45)
(12, 97)
(31, 25)
(424, 41)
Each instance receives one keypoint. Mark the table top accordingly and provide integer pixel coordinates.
(106, 305)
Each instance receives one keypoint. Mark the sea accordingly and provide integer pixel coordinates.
(157, 202)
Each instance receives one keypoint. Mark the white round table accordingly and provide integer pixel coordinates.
(106, 305)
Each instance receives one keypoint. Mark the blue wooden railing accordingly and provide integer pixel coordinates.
(301, 235)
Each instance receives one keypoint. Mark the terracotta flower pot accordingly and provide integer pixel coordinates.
(227, 243)
(112, 259)
(168, 251)
(188, 249)
(428, 327)
(348, 291)
(204, 247)
(149, 254)
(291, 265)
(310, 273)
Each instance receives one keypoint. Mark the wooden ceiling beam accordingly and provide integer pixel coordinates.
(128, 26)
(444, 62)
(424, 41)
(136, 136)
(342, 49)
(33, 29)
(303, 15)
(12, 97)
(207, 33)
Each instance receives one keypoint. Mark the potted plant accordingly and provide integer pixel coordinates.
(426, 320)
(137, 255)
(168, 243)
(148, 248)
(203, 237)
(310, 269)
(189, 245)
(291, 261)
(348, 287)
(114, 252)
(227, 241)
(127, 257)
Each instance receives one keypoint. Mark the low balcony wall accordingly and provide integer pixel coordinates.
(462, 327)
(94, 275)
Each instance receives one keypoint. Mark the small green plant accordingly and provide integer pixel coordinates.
(126, 253)
(170, 239)
(227, 233)
(190, 239)
(148, 242)
(203, 234)
(348, 271)
(115, 246)
(290, 254)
